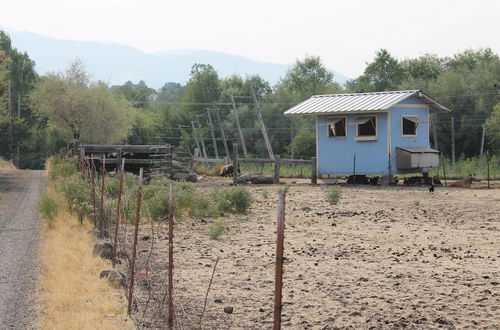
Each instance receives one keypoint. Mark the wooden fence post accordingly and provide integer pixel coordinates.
(237, 119)
(482, 141)
(170, 257)
(117, 224)
(280, 238)
(221, 128)
(277, 166)
(134, 246)
(453, 140)
(444, 169)
(214, 141)
(314, 170)
(235, 164)
(261, 123)
(101, 214)
(434, 132)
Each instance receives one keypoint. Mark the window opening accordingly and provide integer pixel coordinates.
(336, 127)
(367, 126)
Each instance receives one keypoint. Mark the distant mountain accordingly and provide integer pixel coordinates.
(116, 64)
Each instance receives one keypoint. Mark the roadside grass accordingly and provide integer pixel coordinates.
(5, 165)
(71, 293)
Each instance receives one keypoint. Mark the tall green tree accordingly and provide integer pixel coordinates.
(203, 87)
(81, 109)
(308, 77)
(384, 73)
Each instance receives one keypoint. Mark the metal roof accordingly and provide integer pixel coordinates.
(358, 102)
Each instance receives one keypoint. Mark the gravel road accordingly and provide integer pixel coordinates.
(19, 247)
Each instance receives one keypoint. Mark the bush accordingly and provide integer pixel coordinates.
(333, 195)
(234, 200)
(112, 184)
(49, 208)
(216, 229)
(76, 192)
(62, 167)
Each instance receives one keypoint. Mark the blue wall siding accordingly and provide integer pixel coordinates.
(335, 155)
(397, 138)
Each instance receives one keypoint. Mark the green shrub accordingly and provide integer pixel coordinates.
(333, 195)
(234, 200)
(216, 229)
(48, 208)
(62, 167)
(112, 184)
(155, 198)
(76, 192)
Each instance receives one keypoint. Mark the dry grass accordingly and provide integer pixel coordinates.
(72, 294)
(5, 165)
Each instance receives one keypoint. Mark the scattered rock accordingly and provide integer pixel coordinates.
(363, 279)
(116, 279)
(244, 178)
(104, 274)
(218, 300)
(188, 177)
(104, 250)
(355, 314)
(228, 309)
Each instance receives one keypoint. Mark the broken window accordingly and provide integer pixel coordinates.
(367, 125)
(336, 126)
(410, 124)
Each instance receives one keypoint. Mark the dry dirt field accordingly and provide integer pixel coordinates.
(383, 258)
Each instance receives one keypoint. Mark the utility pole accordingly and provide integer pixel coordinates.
(262, 125)
(453, 140)
(242, 140)
(205, 155)
(224, 141)
(434, 132)
(9, 107)
(482, 141)
(214, 141)
(18, 117)
(187, 144)
(195, 134)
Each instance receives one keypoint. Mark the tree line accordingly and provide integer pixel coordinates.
(40, 115)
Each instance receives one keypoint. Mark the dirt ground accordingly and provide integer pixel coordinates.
(383, 258)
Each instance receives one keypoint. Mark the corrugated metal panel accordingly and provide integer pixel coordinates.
(418, 149)
(324, 104)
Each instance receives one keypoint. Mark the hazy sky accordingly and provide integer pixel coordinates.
(345, 34)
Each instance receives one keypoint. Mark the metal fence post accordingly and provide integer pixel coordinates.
(170, 257)
(314, 170)
(277, 166)
(120, 190)
(235, 164)
(134, 246)
(280, 238)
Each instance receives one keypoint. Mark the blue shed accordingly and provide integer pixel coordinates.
(380, 133)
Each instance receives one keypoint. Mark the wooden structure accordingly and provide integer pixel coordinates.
(155, 159)
(277, 162)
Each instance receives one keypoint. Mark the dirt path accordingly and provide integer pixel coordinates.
(19, 247)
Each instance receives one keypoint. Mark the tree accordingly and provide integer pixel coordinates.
(493, 128)
(170, 92)
(308, 77)
(138, 95)
(203, 87)
(304, 144)
(81, 109)
(385, 73)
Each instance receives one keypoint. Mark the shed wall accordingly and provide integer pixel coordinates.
(335, 155)
(397, 138)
